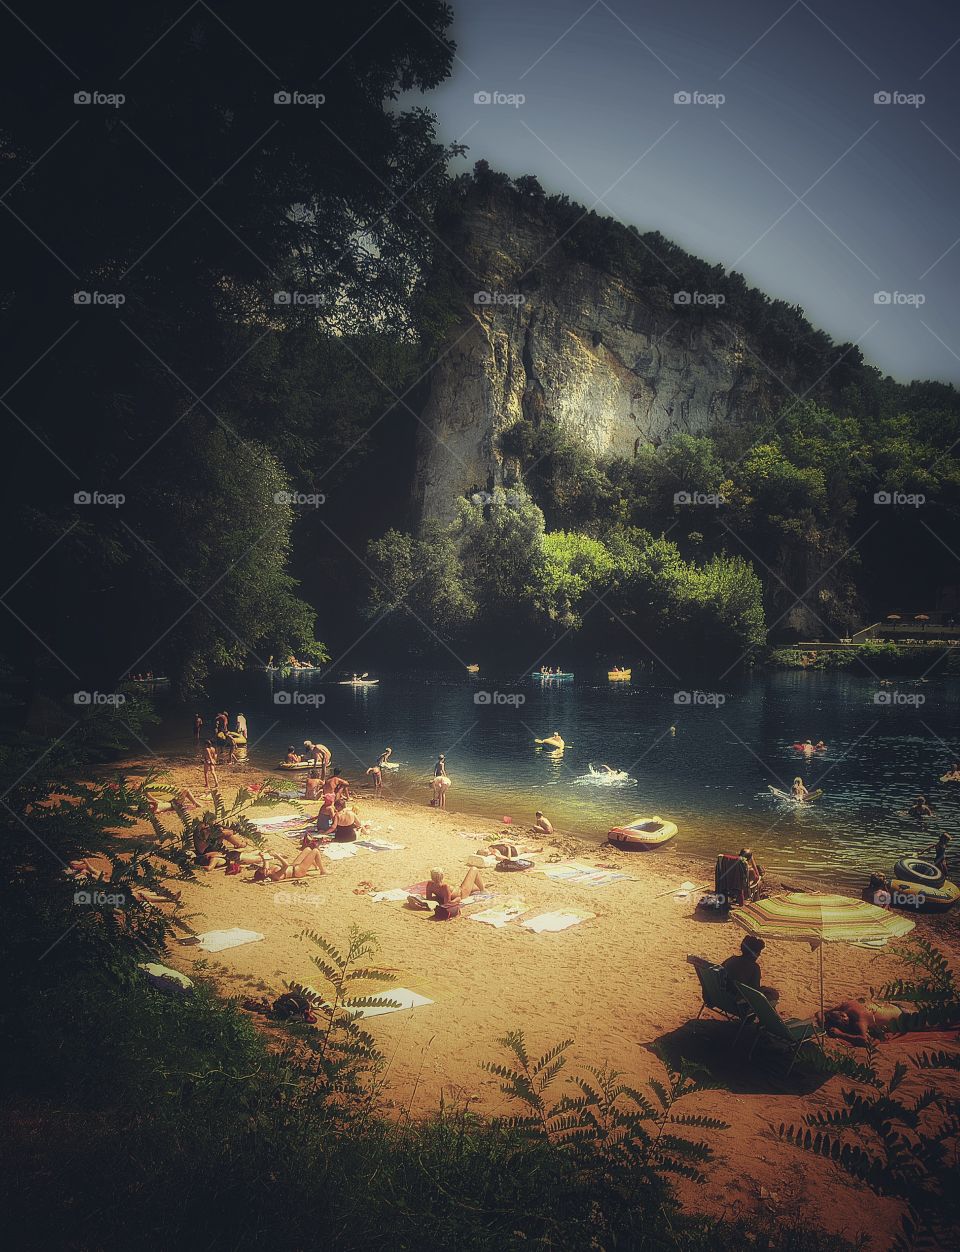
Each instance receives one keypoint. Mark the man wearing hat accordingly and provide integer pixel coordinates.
(745, 968)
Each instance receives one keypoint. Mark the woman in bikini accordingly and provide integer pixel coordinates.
(307, 861)
(210, 767)
(448, 900)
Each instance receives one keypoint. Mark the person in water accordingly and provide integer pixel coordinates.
(376, 774)
(440, 784)
(939, 850)
(820, 746)
(555, 740)
(384, 756)
(440, 767)
(920, 809)
(799, 790)
(543, 824)
(242, 724)
(604, 769)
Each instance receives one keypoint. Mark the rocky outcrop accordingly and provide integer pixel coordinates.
(542, 335)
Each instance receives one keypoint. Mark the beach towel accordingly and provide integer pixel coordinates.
(340, 851)
(573, 872)
(562, 919)
(291, 822)
(395, 893)
(220, 940)
(407, 1000)
(165, 979)
(500, 914)
(379, 845)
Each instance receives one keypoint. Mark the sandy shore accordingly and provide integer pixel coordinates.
(616, 984)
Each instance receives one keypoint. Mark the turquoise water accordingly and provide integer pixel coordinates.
(711, 777)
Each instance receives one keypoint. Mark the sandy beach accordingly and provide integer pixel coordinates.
(617, 983)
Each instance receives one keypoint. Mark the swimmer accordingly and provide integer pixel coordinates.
(920, 809)
(553, 741)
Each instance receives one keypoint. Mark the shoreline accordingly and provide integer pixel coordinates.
(483, 982)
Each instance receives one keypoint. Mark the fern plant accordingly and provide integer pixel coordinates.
(346, 1059)
(615, 1144)
(899, 1140)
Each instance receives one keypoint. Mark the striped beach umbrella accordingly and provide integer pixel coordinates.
(817, 919)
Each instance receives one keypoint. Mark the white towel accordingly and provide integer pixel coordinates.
(395, 893)
(220, 940)
(406, 1000)
(339, 851)
(560, 920)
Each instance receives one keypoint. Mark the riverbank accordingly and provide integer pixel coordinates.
(618, 984)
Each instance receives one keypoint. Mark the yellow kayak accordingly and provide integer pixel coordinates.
(619, 675)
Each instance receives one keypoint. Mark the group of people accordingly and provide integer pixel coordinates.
(225, 748)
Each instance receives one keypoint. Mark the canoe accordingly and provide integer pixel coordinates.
(922, 898)
(643, 832)
(297, 765)
(359, 682)
(619, 675)
(544, 677)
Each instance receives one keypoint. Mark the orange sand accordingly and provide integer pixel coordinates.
(615, 984)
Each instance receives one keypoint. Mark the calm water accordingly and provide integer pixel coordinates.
(711, 778)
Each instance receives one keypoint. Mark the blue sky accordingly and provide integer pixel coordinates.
(878, 183)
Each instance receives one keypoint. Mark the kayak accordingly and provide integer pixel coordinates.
(390, 765)
(543, 677)
(359, 682)
(921, 897)
(787, 795)
(643, 832)
(619, 675)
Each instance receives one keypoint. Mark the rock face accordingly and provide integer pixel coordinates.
(548, 336)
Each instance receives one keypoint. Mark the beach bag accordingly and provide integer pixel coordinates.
(292, 1006)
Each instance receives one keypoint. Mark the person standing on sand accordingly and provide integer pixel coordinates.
(440, 768)
(210, 766)
(242, 725)
(197, 728)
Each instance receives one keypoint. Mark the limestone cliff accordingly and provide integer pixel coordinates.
(615, 365)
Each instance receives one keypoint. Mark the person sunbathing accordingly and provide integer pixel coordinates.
(347, 826)
(448, 900)
(211, 840)
(856, 1021)
(308, 860)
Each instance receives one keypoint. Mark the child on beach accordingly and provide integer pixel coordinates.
(210, 766)
(376, 774)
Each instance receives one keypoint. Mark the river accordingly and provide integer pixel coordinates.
(711, 776)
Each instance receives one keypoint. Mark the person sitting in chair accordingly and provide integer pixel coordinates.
(745, 968)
